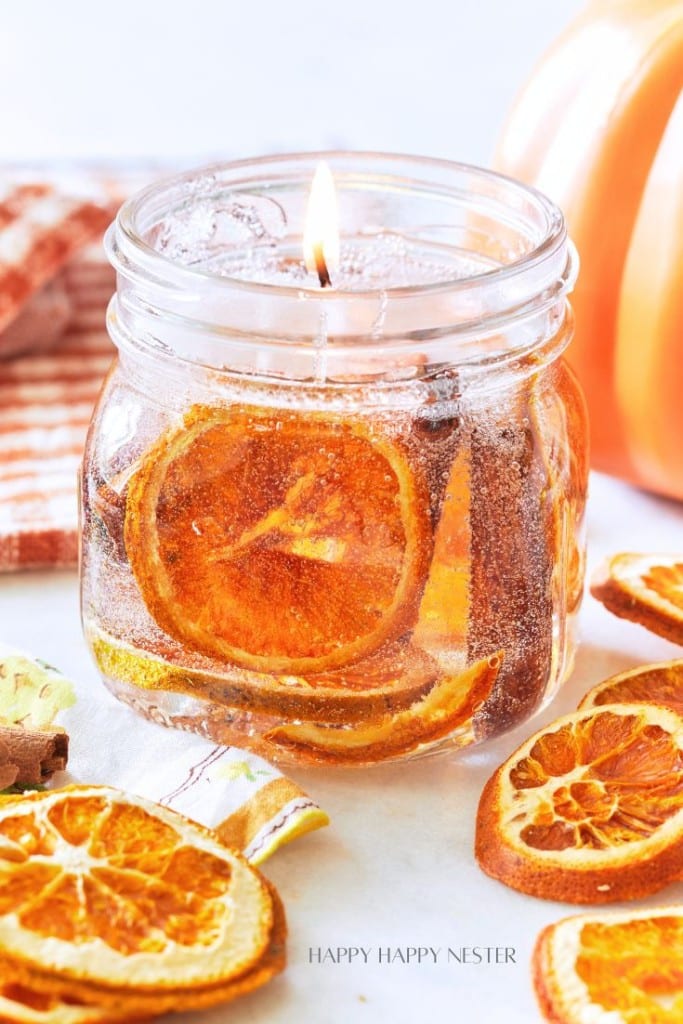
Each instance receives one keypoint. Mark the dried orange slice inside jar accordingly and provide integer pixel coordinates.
(279, 542)
(329, 510)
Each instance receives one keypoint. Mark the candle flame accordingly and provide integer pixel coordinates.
(321, 230)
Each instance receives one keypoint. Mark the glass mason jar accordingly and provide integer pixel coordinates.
(342, 524)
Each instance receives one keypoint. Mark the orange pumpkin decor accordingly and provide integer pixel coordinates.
(599, 128)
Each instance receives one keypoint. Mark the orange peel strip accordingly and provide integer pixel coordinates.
(616, 967)
(449, 705)
(590, 808)
(647, 589)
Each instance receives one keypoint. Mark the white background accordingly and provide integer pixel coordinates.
(184, 81)
(193, 78)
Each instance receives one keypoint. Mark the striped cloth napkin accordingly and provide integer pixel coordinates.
(54, 351)
(45, 405)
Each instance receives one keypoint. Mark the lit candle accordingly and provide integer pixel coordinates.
(341, 478)
(321, 230)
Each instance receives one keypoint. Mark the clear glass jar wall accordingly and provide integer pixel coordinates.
(343, 526)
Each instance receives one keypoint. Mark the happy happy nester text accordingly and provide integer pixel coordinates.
(411, 954)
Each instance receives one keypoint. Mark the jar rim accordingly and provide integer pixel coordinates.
(553, 240)
(480, 321)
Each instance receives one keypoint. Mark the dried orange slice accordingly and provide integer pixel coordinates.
(106, 889)
(647, 589)
(279, 541)
(22, 1005)
(590, 808)
(448, 705)
(390, 679)
(612, 967)
(654, 684)
(54, 994)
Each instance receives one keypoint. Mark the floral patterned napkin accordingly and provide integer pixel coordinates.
(252, 806)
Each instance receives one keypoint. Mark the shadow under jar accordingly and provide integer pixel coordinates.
(342, 525)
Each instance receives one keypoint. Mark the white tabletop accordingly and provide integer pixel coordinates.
(395, 869)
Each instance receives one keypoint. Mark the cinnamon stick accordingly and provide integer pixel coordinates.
(30, 756)
(511, 606)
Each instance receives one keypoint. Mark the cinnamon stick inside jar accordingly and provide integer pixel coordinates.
(511, 565)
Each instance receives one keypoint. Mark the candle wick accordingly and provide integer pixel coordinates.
(321, 267)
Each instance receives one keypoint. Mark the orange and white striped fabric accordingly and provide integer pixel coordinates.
(40, 230)
(46, 401)
(53, 294)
